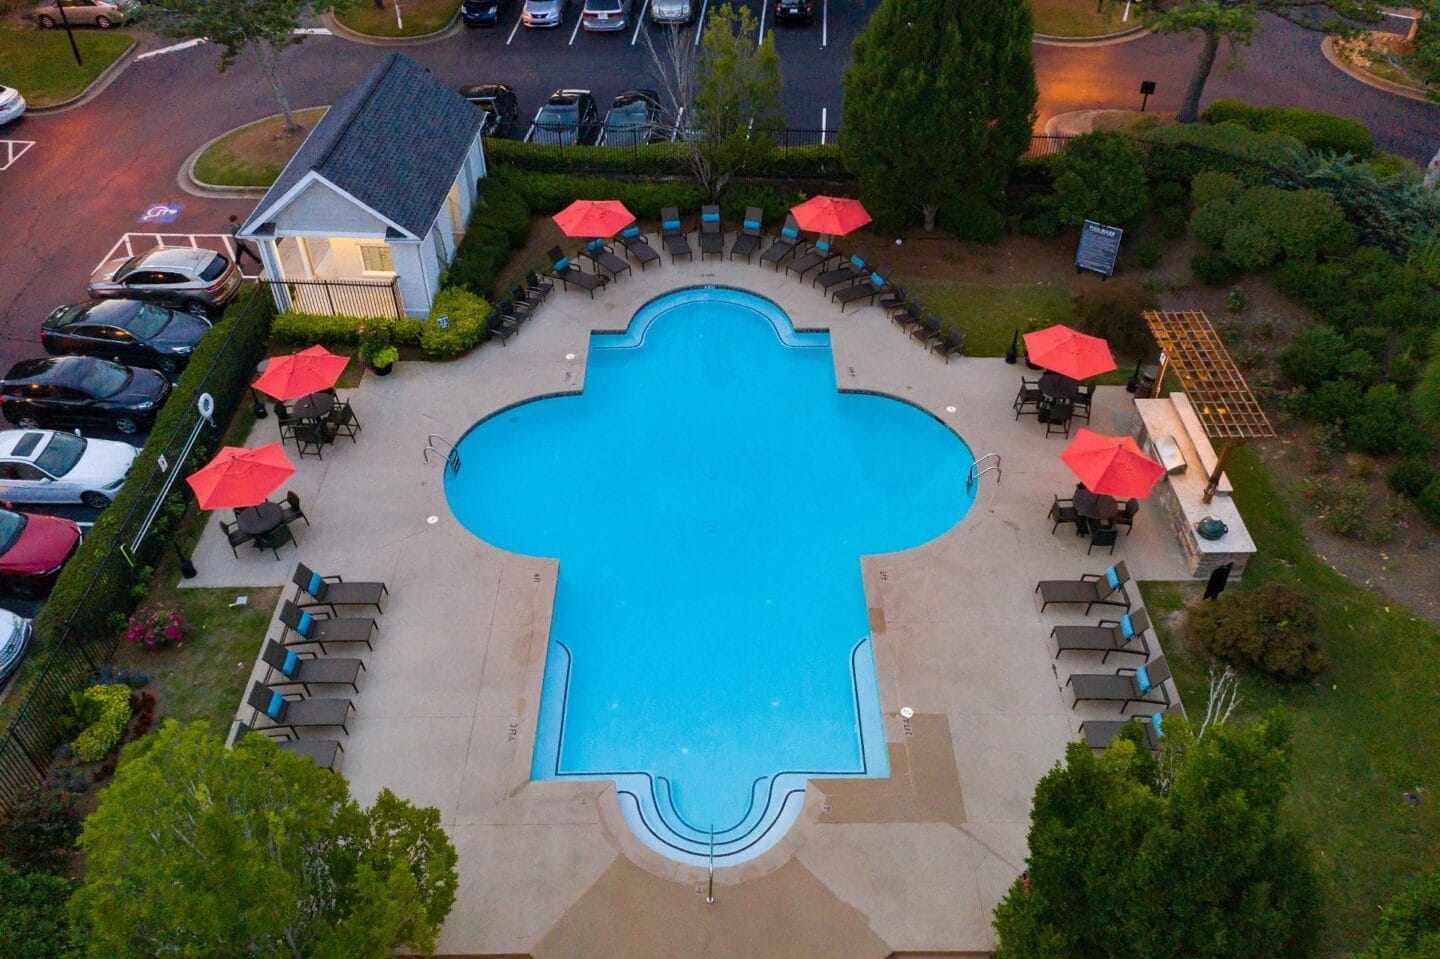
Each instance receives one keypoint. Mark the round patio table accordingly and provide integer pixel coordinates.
(313, 406)
(1057, 386)
(260, 519)
(1096, 506)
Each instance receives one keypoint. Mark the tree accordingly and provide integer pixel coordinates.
(1234, 21)
(1180, 855)
(32, 922)
(196, 849)
(1100, 176)
(725, 97)
(938, 105)
(266, 26)
(1410, 926)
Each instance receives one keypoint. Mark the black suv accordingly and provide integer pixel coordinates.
(502, 110)
(70, 391)
(634, 118)
(794, 11)
(568, 117)
(127, 331)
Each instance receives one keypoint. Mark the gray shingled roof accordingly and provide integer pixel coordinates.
(394, 142)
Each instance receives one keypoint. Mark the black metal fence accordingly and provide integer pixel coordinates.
(82, 645)
(362, 298)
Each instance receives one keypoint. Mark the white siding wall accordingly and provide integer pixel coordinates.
(320, 210)
(419, 275)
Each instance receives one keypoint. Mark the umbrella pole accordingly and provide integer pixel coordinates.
(1219, 469)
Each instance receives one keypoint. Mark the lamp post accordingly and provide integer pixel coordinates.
(1014, 352)
(60, 4)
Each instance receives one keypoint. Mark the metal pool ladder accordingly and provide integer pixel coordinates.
(440, 446)
(973, 476)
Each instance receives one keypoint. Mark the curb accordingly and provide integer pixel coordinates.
(96, 87)
(186, 180)
(1327, 47)
(354, 36)
(1105, 40)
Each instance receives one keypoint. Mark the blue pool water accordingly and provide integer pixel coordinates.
(709, 497)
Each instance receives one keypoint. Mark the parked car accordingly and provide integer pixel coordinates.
(483, 13)
(634, 118)
(544, 13)
(567, 117)
(45, 466)
(12, 105)
(500, 105)
(127, 331)
(197, 281)
(794, 11)
(33, 548)
(85, 13)
(672, 12)
(14, 641)
(599, 16)
(81, 391)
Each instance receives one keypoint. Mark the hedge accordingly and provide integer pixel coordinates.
(548, 193)
(224, 374)
(1318, 131)
(1178, 153)
(96, 740)
(292, 326)
(657, 159)
(464, 327)
(499, 225)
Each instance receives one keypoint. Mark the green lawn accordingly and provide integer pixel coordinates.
(253, 155)
(420, 17)
(1366, 732)
(40, 65)
(991, 313)
(1077, 18)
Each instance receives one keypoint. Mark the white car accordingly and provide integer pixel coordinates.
(12, 104)
(47, 466)
(14, 640)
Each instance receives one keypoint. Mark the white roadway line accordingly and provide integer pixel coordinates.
(11, 154)
(700, 23)
(763, 5)
(824, 28)
(311, 32)
(1398, 16)
(576, 32)
(823, 112)
(513, 30)
(640, 22)
(173, 48)
(1126, 17)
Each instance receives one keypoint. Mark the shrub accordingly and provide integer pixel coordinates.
(1213, 185)
(156, 627)
(40, 831)
(1271, 627)
(1319, 131)
(295, 327)
(1213, 219)
(1265, 223)
(34, 924)
(1410, 477)
(1403, 370)
(1148, 253)
(1336, 401)
(1112, 311)
(548, 193)
(464, 325)
(1426, 396)
(1214, 269)
(1171, 220)
(1100, 176)
(1381, 423)
(1314, 356)
(499, 224)
(1428, 502)
(1250, 246)
(96, 740)
(1180, 152)
(1307, 223)
(971, 218)
(1037, 217)
(774, 202)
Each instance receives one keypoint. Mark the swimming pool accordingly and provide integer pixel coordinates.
(709, 496)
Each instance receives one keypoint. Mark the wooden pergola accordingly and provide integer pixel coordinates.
(1221, 398)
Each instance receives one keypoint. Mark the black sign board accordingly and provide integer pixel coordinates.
(1099, 246)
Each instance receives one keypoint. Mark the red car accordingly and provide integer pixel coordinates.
(32, 550)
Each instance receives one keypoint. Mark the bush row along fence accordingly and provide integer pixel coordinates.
(75, 632)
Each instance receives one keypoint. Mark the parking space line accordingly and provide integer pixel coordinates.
(173, 48)
(700, 22)
(576, 32)
(824, 27)
(823, 125)
(513, 30)
(220, 242)
(761, 40)
(640, 22)
(14, 150)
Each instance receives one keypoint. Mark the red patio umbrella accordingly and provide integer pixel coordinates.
(300, 374)
(830, 214)
(592, 219)
(239, 477)
(1069, 352)
(1111, 465)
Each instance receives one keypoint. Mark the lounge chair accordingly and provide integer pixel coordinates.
(1100, 733)
(786, 244)
(747, 241)
(567, 273)
(596, 252)
(712, 231)
(324, 753)
(1141, 685)
(1123, 635)
(293, 713)
(1091, 589)
(951, 343)
(302, 627)
(818, 255)
(333, 591)
(306, 670)
(867, 289)
(638, 247)
(847, 273)
(677, 241)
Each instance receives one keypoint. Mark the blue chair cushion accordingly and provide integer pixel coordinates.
(316, 584)
(303, 626)
(594, 245)
(1142, 679)
(1127, 628)
(672, 224)
(275, 707)
(288, 667)
(1155, 722)
(790, 232)
(752, 224)
(856, 262)
(823, 246)
(1112, 577)
(709, 218)
(630, 232)
(562, 264)
(876, 280)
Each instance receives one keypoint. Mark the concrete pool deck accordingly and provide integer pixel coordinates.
(447, 709)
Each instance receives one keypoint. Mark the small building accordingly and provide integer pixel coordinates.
(370, 210)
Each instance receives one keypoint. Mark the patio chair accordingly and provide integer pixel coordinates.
(1127, 514)
(1058, 418)
(290, 510)
(293, 713)
(1140, 685)
(333, 591)
(317, 628)
(818, 255)
(637, 246)
(951, 343)
(928, 330)
(1063, 511)
(747, 241)
(312, 437)
(596, 252)
(500, 327)
(533, 283)
(342, 420)
(1029, 398)
(1123, 635)
(285, 421)
(896, 298)
(677, 241)
(1082, 402)
(306, 670)
(866, 290)
(526, 300)
(786, 244)
(235, 535)
(1091, 589)
(712, 231)
(847, 273)
(1103, 536)
(909, 315)
(567, 273)
(275, 539)
(1100, 733)
(324, 753)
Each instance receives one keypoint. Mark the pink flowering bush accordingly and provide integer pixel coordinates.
(156, 627)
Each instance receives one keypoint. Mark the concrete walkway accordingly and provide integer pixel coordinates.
(447, 709)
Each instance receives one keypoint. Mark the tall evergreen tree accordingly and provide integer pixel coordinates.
(938, 104)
